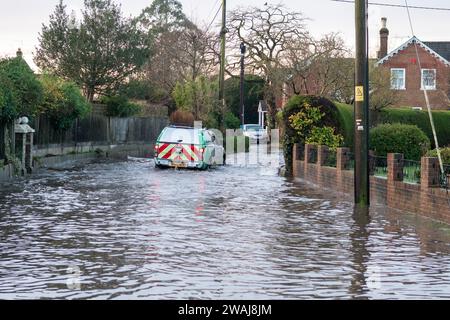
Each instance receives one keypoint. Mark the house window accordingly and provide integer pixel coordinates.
(398, 79)
(428, 79)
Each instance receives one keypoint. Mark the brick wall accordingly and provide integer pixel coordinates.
(426, 198)
(413, 96)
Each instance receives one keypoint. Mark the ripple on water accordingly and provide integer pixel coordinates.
(126, 230)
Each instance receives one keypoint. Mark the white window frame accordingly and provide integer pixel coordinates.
(422, 87)
(404, 78)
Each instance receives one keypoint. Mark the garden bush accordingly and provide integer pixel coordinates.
(25, 91)
(8, 110)
(295, 130)
(137, 89)
(181, 117)
(119, 106)
(399, 138)
(63, 102)
(231, 121)
(325, 136)
(445, 154)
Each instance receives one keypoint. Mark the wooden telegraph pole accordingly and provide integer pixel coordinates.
(223, 33)
(361, 106)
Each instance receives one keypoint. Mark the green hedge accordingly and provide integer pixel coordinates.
(231, 121)
(331, 118)
(399, 138)
(421, 119)
(400, 115)
(20, 93)
(8, 110)
(346, 120)
(119, 106)
(63, 102)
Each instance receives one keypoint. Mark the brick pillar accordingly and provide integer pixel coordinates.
(309, 175)
(24, 153)
(394, 175)
(308, 151)
(429, 172)
(295, 159)
(429, 179)
(294, 151)
(341, 163)
(297, 152)
(371, 163)
(322, 154)
(306, 160)
(395, 167)
(342, 158)
(29, 162)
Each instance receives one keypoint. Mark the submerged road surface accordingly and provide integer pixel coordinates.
(121, 230)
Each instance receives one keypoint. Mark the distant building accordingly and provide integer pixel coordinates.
(262, 110)
(408, 80)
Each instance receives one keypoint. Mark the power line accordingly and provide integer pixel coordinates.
(396, 5)
(212, 9)
(215, 16)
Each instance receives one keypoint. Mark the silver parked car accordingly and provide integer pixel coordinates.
(254, 131)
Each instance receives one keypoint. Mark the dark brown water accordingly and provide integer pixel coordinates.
(122, 230)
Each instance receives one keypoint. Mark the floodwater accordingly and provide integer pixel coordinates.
(125, 230)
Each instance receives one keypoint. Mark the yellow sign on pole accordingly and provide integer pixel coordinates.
(359, 93)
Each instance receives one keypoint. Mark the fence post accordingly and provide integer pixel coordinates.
(429, 172)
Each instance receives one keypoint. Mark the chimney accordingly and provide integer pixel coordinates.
(384, 34)
(19, 53)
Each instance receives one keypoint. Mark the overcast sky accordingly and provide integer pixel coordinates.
(21, 20)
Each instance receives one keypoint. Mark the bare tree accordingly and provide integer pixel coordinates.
(194, 53)
(181, 49)
(381, 94)
(179, 56)
(267, 33)
(321, 67)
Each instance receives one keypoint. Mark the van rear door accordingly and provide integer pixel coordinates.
(180, 145)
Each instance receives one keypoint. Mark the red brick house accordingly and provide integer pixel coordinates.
(406, 76)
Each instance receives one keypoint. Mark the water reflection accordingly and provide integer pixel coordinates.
(359, 237)
(125, 230)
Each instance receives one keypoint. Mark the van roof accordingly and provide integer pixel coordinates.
(179, 134)
(180, 126)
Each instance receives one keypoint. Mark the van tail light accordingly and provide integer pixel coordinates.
(202, 150)
(156, 148)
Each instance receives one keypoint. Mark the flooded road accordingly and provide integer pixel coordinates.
(125, 230)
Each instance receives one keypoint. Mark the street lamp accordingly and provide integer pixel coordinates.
(241, 100)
